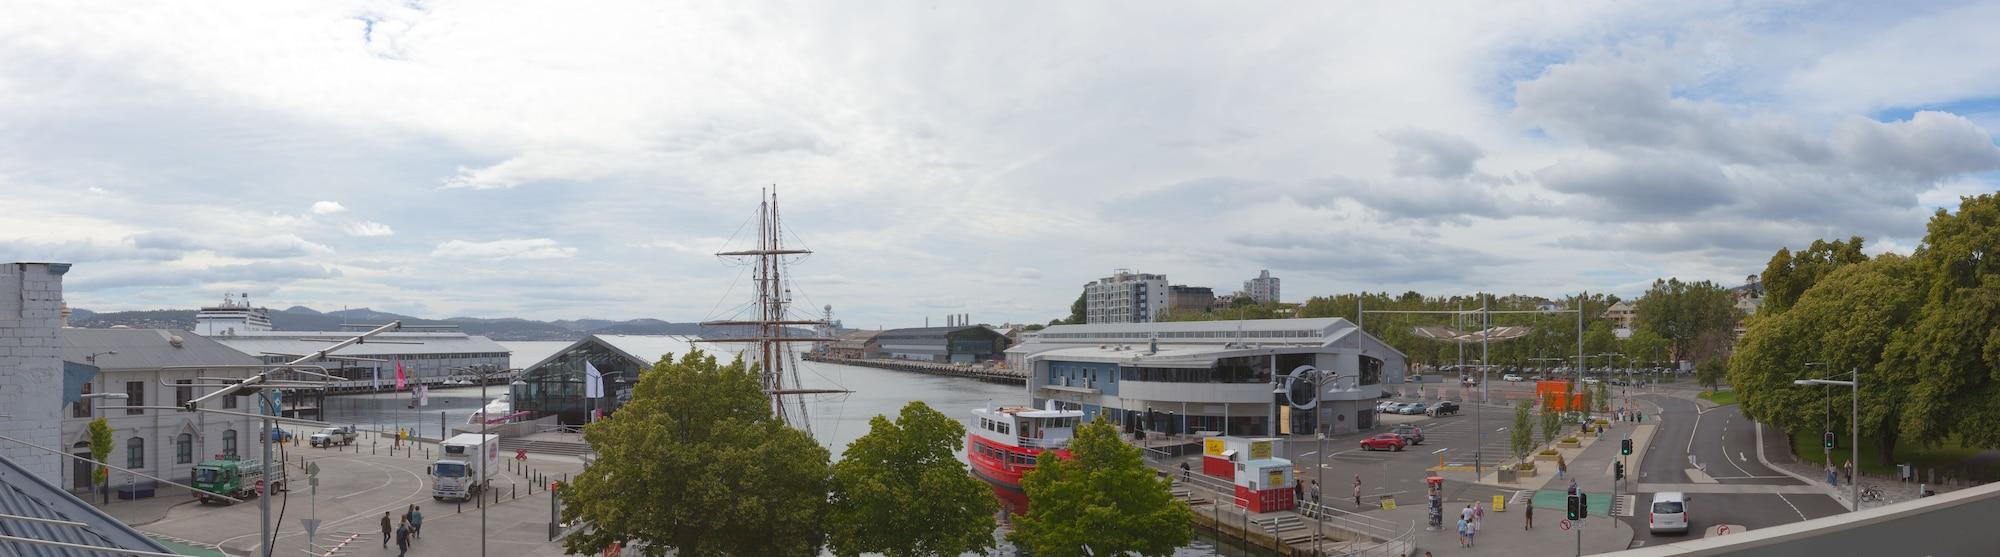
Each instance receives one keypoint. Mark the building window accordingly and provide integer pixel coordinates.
(81, 408)
(183, 394)
(135, 453)
(135, 395)
(184, 449)
(229, 443)
(229, 402)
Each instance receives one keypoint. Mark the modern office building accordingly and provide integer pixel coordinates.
(135, 363)
(1263, 289)
(555, 385)
(958, 344)
(1125, 297)
(428, 357)
(1253, 377)
(1193, 298)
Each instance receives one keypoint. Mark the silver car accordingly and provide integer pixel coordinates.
(1413, 408)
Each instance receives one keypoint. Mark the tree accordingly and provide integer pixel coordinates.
(100, 449)
(1686, 313)
(1551, 420)
(1034, 327)
(1102, 497)
(1710, 372)
(1601, 399)
(1789, 275)
(1079, 310)
(1523, 434)
(1599, 338)
(899, 491)
(1949, 359)
(1646, 347)
(697, 464)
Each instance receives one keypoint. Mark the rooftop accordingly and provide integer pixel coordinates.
(299, 343)
(23, 494)
(147, 349)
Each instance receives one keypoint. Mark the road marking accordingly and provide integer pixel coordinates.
(1795, 508)
(1725, 452)
(1692, 432)
(1307, 454)
(389, 479)
(1739, 456)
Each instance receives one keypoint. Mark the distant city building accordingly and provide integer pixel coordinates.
(1263, 289)
(1224, 301)
(1125, 297)
(1213, 376)
(231, 317)
(958, 344)
(1622, 313)
(428, 357)
(1195, 298)
(857, 344)
(135, 362)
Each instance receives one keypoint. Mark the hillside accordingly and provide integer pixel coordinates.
(300, 318)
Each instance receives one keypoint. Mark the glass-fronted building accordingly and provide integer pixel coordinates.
(555, 385)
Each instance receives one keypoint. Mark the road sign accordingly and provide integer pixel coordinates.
(1565, 525)
(1723, 529)
(312, 527)
(312, 469)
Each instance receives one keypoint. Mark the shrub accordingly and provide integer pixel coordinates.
(1570, 439)
(1525, 466)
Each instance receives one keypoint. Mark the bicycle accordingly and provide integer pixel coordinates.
(1872, 494)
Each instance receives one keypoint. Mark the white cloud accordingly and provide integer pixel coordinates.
(327, 207)
(367, 229)
(535, 248)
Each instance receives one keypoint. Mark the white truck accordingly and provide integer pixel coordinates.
(462, 470)
(335, 436)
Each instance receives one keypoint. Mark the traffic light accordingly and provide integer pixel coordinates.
(1618, 470)
(1625, 447)
(1829, 440)
(1574, 505)
(1582, 505)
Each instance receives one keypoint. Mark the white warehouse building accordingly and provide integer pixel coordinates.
(1253, 377)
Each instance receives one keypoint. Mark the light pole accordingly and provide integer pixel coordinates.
(1853, 423)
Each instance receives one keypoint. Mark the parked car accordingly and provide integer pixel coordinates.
(1410, 434)
(1383, 442)
(1413, 409)
(335, 436)
(1591, 381)
(1669, 513)
(1443, 408)
(1386, 406)
(1511, 378)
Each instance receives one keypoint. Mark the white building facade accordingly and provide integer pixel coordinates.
(1258, 377)
(1263, 289)
(1125, 297)
(31, 369)
(164, 443)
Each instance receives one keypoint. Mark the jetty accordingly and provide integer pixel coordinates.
(994, 374)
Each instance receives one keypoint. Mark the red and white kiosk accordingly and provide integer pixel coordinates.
(1263, 481)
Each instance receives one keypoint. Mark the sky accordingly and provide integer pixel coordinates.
(568, 160)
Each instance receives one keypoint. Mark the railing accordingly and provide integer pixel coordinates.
(561, 429)
(1398, 546)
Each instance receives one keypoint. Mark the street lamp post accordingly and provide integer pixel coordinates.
(1853, 423)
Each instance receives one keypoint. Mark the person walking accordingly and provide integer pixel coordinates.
(1357, 491)
(1464, 533)
(1562, 466)
(402, 539)
(1298, 489)
(1531, 517)
(1315, 497)
(1184, 472)
(416, 522)
(1848, 470)
(386, 530)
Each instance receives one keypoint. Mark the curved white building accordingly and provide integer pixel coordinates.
(1234, 377)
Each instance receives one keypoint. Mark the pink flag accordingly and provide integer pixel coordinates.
(399, 375)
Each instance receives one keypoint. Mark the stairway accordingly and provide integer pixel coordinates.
(562, 448)
(1289, 529)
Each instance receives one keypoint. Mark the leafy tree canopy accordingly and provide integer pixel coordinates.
(898, 491)
(1686, 312)
(1789, 274)
(1103, 497)
(696, 463)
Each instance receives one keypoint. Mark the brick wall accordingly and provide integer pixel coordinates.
(31, 364)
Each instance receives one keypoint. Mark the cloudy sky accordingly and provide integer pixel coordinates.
(564, 160)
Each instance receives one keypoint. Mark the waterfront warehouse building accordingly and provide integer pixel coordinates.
(856, 345)
(428, 358)
(164, 443)
(1125, 297)
(958, 345)
(554, 386)
(1249, 378)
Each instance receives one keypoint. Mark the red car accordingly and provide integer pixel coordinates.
(1383, 441)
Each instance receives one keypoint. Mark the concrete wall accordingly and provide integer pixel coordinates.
(31, 364)
(1957, 523)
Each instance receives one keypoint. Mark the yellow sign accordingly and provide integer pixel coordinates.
(1499, 504)
(1388, 503)
(1277, 477)
(1212, 446)
(1285, 420)
(1260, 450)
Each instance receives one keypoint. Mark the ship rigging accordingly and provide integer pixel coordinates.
(772, 333)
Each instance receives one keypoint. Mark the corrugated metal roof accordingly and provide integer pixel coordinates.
(24, 494)
(525, 353)
(147, 349)
(643, 349)
(301, 343)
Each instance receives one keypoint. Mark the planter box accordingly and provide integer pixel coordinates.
(1525, 472)
(1507, 476)
(1570, 445)
(1546, 457)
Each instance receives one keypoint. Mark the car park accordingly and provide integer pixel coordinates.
(1383, 442)
(1443, 408)
(1411, 434)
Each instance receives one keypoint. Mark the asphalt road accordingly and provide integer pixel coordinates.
(1724, 443)
(1402, 473)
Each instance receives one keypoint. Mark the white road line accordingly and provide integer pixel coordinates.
(1725, 451)
(1795, 508)
(1307, 454)
(388, 479)
(1692, 432)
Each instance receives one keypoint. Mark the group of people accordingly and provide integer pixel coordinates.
(407, 531)
(1468, 524)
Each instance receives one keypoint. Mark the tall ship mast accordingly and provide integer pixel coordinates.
(772, 335)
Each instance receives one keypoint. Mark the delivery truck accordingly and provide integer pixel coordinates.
(462, 470)
(239, 478)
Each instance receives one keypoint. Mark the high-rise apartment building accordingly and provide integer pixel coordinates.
(1263, 289)
(1125, 297)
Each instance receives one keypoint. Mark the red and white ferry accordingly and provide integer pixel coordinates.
(1004, 442)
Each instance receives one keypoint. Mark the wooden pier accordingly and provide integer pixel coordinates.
(991, 374)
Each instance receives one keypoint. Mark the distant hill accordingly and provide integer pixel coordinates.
(301, 318)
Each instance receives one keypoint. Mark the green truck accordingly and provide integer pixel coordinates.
(239, 478)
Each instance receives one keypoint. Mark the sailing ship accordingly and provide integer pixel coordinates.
(771, 333)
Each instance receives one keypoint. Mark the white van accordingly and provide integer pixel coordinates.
(1669, 513)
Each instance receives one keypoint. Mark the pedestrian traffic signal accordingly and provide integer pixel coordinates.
(1618, 470)
(1574, 504)
(1829, 440)
(1625, 447)
(1582, 505)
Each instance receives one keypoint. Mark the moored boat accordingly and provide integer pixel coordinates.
(1003, 443)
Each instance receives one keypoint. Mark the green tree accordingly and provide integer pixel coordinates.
(1949, 358)
(100, 449)
(1551, 420)
(697, 464)
(1789, 275)
(1600, 338)
(1601, 399)
(1102, 497)
(1079, 310)
(1686, 314)
(899, 491)
(1711, 372)
(1646, 347)
(1523, 434)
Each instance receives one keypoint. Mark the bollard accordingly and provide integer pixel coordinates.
(461, 507)
(513, 492)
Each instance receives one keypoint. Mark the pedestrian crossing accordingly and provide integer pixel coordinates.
(1622, 506)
